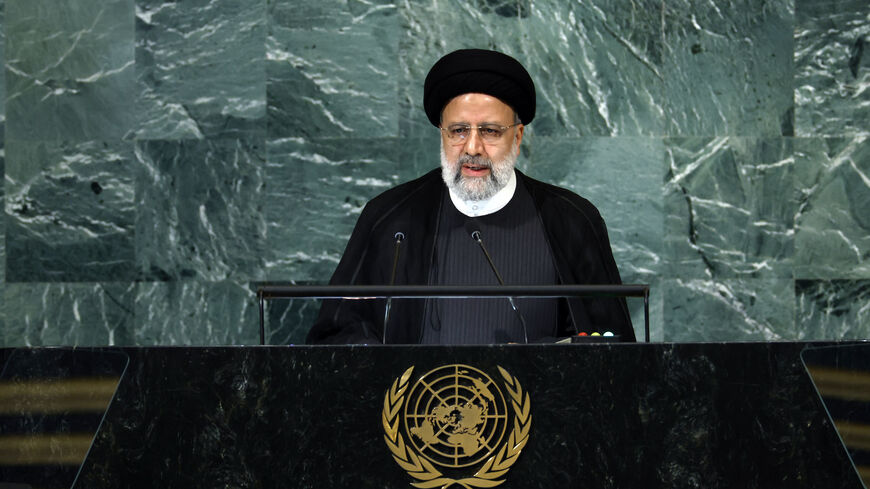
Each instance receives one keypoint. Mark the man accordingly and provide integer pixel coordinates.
(535, 233)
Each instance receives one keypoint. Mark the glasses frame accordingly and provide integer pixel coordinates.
(460, 140)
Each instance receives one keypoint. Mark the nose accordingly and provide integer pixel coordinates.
(473, 143)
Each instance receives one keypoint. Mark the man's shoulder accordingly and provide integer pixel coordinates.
(410, 192)
(559, 198)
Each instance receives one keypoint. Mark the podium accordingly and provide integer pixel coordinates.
(720, 415)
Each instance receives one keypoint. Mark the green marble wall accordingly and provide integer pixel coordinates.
(161, 159)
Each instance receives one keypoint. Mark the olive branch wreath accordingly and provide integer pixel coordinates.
(424, 471)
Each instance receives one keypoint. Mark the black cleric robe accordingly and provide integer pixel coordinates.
(573, 228)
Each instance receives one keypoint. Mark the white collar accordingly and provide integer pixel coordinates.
(475, 208)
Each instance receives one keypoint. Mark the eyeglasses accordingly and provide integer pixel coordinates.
(489, 133)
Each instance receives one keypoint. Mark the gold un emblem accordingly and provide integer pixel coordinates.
(455, 426)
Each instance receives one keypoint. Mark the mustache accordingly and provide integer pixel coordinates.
(475, 161)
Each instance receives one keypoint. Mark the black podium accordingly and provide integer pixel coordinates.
(515, 416)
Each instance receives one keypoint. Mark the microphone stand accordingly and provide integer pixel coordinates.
(400, 236)
(475, 235)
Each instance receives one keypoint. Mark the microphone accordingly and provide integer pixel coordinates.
(476, 236)
(400, 236)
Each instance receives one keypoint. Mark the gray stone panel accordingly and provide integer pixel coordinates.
(832, 222)
(729, 310)
(832, 309)
(3, 263)
(316, 191)
(622, 177)
(331, 69)
(288, 321)
(200, 210)
(832, 71)
(70, 212)
(596, 66)
(2, 162)
(729, 208)
(2, 63)
(418, 156)
(85, 314)
(728, 68)
(69, 69)
(200, 69)
(196, 313)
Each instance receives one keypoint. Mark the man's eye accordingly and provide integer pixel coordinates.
(490, 131)
(459, 131)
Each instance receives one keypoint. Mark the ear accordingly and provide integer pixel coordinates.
(519, 137)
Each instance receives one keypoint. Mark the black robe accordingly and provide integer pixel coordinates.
(574, 230)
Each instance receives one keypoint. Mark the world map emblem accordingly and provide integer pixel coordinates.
(456, 425)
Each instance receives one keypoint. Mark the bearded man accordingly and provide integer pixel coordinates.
(536, 233)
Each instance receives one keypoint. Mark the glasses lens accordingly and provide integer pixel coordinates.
(490, 132)
(458, 131)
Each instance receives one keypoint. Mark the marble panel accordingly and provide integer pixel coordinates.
(69, 69)
(195, 312)
(2, 231)
(70, 211)
(200, 68)
(832, 71)
(3, 63)
(418, 156)
(596, 65)
(729, 207)
(200, 210)
(3, 220)
(331, 69)
(728, 68)
(622, 177)
(835, 309)
(288, 320)
(729, 310)
(79, 314)
(832, 221)
(316, 191)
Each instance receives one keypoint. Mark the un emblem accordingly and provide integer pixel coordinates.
(454, 425)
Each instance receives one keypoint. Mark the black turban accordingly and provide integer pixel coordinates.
(479, 71)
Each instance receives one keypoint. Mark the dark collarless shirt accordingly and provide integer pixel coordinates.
(514, 238)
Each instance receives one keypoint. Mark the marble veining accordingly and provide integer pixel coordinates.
(832, 68)
(70, 211)
(201, 210)
(832, 222)
(581, 57)
(179, 46)
(832, 308)
(730, 310)
(729, 211)
(195, 313)
(728, 68)
(69, 69)
(326, 183)
(330, 71)
(69, 314)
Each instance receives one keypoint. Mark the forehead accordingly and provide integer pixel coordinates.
(477, 107)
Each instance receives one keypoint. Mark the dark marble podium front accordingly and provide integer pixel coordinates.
(741, 415)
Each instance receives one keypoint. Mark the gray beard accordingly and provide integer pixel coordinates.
(478, 188)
